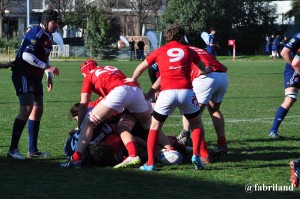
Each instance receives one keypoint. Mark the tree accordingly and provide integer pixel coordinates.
(7, 5)
(143, 9)
(66, 9)
(295, 9)
(246, 21)
(102, 30)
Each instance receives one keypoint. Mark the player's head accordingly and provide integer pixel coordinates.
(213, 30)
(87, 66)
(50, 19)
(175, 33)
(75, 109)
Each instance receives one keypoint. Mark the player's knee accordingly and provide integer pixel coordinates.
(125, 124)
(292, 95)
(94, 118)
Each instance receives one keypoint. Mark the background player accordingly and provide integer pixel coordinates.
(31, 62)
(291, 84)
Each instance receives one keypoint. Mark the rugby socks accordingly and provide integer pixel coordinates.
(221, 141)
(77, 156)
(203, 149)
(151, 145)
(17, 132)
(33, 133)
(196, 138)
(131, 148)
(279, 117)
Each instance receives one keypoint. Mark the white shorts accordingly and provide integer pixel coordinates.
(130, 97)
(184, 99)
(211, 86)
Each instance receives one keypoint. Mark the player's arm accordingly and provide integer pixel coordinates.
(34, 61)
(139, 70)
(285, 53)
(296, 62)
(7, 65)
(155, 87)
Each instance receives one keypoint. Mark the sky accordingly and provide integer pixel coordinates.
(283, 7)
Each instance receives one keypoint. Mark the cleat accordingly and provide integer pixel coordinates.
(145, 167)
(129, 162)
(197, 163)
(38, 154)
(295, 172)
(206, 160)
(183, 137)
(15, 154)
(274, 134)
(71, 164)
(219, 150)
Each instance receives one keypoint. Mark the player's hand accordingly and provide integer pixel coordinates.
(129, 79)
(49, 83)
(54, 70)
(208, 69)
(7, 65)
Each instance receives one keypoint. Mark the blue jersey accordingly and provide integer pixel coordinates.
(100, 132)
(37, 42)
(293, 44)
(210, 49)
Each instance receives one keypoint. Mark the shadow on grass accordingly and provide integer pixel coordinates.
(44, 179)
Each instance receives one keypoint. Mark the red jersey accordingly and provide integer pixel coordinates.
(208, 60)
(104, 79)
(174, 62)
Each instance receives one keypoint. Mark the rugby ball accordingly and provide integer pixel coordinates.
(170, 157)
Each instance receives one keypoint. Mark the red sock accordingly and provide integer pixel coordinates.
(196, 137)
(203, 149)
(151, 146)
(77, 156)
(222, 141)
(131, 148)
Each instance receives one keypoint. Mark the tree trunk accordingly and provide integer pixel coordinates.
(1, 26)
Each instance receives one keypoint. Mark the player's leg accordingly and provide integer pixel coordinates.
(197, 138)
(33, 129)
(26, 101)
(162, 109)
(152, 141)
(97, 115)
(291, 95)
(125, 125)
(219, 125)
(26, 104)
(189, 107)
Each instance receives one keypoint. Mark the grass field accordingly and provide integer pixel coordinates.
(254, 94)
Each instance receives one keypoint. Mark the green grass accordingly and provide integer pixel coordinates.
(254, 94)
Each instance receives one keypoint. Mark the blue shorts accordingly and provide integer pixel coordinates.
(27, 85)
(291, 79)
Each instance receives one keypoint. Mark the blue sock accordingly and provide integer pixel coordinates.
(33, 132)
(279, 117)
(17, 132)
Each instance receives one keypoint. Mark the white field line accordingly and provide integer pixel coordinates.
(268, 120)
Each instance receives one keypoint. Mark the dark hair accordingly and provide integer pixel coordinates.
(49, 15)
(174, 32)
(74, 110)
(212, 29)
